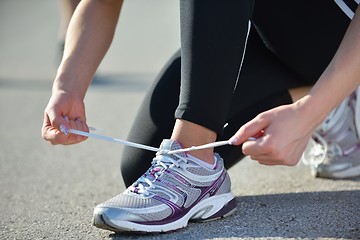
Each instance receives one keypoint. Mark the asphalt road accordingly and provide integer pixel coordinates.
(49, 192)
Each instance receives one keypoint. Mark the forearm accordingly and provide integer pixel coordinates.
(340, 78)
(88, 38)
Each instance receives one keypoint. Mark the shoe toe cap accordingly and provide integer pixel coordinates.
(332, 170)
(117, 214)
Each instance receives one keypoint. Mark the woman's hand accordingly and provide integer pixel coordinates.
(279, 136)
(65, 111)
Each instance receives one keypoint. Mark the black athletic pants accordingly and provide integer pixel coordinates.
(208, 81)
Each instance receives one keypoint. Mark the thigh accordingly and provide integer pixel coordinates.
(262, 75)
(304, 35)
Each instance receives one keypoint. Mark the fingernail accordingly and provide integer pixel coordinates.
(233, 140)
(64, 129)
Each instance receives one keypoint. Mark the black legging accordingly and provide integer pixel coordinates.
(289, 45)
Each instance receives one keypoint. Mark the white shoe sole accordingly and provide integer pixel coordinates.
(205, 210)
(343, 174)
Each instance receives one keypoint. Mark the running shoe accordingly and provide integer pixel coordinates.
(176, 189)
(334, 150)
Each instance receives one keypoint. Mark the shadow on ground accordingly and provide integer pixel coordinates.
(305, 215)
(123, 82)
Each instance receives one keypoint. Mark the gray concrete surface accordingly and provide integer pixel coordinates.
(48, 192)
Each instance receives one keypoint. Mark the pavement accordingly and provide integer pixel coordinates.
(49, 192)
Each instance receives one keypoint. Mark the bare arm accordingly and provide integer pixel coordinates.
(88, 38)
(288, 128)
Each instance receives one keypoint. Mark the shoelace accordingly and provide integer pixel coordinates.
(320, 149)
(160, 163)
(316, 153)
(142, 146)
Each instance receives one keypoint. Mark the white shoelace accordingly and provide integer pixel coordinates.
(318, 148)
(159, 164)
(142, 146)
(316, 152)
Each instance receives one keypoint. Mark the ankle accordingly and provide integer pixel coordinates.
(203, 163)
(190, 134)
(206, 155)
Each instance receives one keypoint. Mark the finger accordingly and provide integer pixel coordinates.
(44, 128)
(267, 163)
(271, 159)
(256, 147)
(252, 129)
(265, 160)
(72, 138)
(49, 132)
(56, 118)
(54, 136)
(82, 126)
(261, 151)
(76, 124)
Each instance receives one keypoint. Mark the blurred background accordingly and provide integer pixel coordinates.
(147, 34)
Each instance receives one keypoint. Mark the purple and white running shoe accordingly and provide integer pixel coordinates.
(177, 188)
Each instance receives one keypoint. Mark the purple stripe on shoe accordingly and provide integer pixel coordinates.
(180, 211)
(179, 178)
(351, 149)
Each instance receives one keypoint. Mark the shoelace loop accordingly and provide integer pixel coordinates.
(160, 163)
(316, 152)
(319, 149)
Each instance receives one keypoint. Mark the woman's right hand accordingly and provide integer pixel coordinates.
(281, 134)
(68, 112)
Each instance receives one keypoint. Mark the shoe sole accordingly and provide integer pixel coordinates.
(345, 174)
(209, 209)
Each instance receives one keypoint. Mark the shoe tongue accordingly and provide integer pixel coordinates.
(168, 144)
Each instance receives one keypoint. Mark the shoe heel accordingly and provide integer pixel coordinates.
(228, 209)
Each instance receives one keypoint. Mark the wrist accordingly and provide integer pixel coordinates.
(65, 83)
(313, 110)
